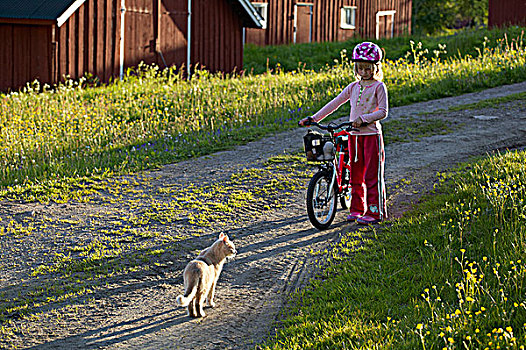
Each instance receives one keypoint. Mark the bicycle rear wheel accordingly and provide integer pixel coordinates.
(321, 200)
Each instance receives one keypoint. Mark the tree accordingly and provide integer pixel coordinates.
(433, 16)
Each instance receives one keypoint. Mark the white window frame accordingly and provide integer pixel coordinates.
(343, 22)
(262, 8)
(384, 13)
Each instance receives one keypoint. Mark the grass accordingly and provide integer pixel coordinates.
(491, 103)
(316, 56)
(56, 139)
(406, 129)
(451, 275)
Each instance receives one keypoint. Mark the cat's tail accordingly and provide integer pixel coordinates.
(184, 300)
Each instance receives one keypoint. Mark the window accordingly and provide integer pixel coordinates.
(385, 24)
(348, 17)
(261, 8)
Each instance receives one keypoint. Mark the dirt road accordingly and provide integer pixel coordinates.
(278, 248)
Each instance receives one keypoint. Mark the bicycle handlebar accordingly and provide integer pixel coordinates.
(331, 126)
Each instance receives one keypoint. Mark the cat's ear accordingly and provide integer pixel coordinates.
(225, 238)
(221, 235)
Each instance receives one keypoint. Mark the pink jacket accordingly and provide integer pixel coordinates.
(371, 104)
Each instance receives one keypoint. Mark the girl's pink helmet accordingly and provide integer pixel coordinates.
(367, 52)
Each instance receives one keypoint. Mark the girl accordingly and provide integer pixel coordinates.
(368, 99)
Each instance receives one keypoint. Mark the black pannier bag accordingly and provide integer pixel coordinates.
(318, 147)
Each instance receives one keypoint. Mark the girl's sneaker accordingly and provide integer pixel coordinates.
(353, 216)
(367, 220)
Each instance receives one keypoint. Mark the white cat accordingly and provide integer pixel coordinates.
(201, 275)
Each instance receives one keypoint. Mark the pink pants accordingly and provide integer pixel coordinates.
(367, 176)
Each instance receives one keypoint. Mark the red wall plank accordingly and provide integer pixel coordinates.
(6, 57)
(21, 55)
(40, 53)
(506, 12)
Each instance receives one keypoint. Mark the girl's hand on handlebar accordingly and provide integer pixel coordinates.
(357, 122)
(306, 121)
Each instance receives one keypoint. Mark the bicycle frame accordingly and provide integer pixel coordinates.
(339, 159)
(330, 182)
(338, 164)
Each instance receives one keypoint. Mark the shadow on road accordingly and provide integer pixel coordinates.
(120, 332)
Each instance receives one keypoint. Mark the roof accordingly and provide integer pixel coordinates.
(250, 16)
(60, 10)
(52, 10)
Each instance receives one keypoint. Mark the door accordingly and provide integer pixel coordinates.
(172, 33)
(139, 33)
(303, 23)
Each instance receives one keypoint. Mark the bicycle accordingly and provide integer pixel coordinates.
(332, 181)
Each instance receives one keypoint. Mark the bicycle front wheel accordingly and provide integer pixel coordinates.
(321, 200)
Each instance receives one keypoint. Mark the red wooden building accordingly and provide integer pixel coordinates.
(50, 39)
(509, 12)
(300, 21)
